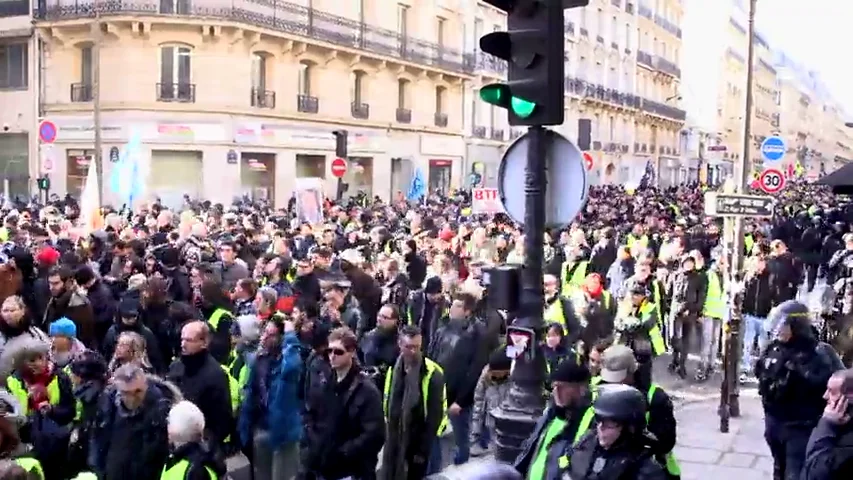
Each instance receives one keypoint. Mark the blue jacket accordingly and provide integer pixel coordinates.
(283, 405)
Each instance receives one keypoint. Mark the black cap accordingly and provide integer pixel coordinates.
(499, 361)
(129, 307)
(433, 285)
(570, 372)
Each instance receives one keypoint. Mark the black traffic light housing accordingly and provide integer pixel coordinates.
(534, 47)
(43, 183)
(340, 143)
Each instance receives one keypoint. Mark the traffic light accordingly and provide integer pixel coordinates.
(340, 143)
(534, 47)
(43, 183)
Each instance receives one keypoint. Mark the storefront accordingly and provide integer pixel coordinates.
(359, 176)
(175, 174)
(443, 158)
(14, 162)
(76, 169)
(483, 162)
(440, 175)
(257, 175)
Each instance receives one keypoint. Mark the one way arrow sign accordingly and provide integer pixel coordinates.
(730, 205)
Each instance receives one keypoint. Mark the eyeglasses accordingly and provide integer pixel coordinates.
(338, 352)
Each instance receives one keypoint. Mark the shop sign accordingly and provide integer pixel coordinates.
(442, 145)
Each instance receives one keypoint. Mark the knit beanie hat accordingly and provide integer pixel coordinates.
(63, 327)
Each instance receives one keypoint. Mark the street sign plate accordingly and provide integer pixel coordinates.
(730, 205)
(47, 131)
(339, 167)
(567, 186)
(773, 149)
(48, 158)
(771, 181)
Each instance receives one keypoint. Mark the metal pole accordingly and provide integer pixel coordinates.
(96, 102)
(518, 413)
(730, 402)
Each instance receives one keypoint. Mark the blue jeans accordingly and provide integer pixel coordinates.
(435, 457)
(752, 326)
(485, 437)
(461, 435)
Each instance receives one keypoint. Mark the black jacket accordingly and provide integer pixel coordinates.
(203, 382)
(757, 296)
(629, 460)
(458, 348)
(152, 346)
(346, 428)
(529, 448)
(830, 452)
(200, 459)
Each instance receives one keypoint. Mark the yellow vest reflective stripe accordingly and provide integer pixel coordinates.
(179, 471)
(714, 305)
(233, 387)
(19, 391)
(217, 317)
(31, 465)
(78, 405)
(657, 299)
(290, 277)
(431, 368)
(748, 242)
(643, 241)
(577, 278)
(586, 422)
(672, 466)
(540, 458)
(655, 335)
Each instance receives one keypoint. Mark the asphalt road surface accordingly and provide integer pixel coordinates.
(684, 392)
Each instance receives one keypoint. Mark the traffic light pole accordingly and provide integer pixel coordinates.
(523, 405)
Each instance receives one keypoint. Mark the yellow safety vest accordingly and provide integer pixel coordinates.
(179, 471)
(431, 368)
(715, 306)
(31, 465)
(672, 466)
(631, 240)
(748, 242)
(655, 336)
(234, 389)
(577, 278)
(586, 421)
(657, 299)
(217, 317)
(78, 405)
(555, 314)
(242, 376)
(537, 466)
(19, 391)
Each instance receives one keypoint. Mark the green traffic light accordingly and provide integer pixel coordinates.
(522, 107)
(493, 94)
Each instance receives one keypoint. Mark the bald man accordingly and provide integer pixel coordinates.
(203, 381)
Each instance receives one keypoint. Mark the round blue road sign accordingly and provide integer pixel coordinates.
(773, 149)
(47, 131)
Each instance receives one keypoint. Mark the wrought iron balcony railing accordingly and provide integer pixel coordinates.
(645, 11)
(668, 26)
(360, 110)
(479, 132)
(14, 8)
(667, 67)
(278, 15)
(645, 59)
(497, 134)
(440, 119)
(404, 115)
(263, 98)
(307, 104)
(513, 134)
(663, 110)
(490, 63)
(81, 92)
(176, 92)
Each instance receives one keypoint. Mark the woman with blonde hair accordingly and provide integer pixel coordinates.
(130, 349)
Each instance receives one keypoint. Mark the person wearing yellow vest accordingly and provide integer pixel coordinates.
(204, 381)
(215, 308)
(619, 366)
(413, 388)
(559, 309)
(88, 373)
(572, 274)
(37, 385)
(713, 312)
(189, 459)
(270, 423)
(556, 429)
(636, 321)
(637, 239)
(618, 446)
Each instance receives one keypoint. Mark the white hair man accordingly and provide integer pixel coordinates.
(189, 460)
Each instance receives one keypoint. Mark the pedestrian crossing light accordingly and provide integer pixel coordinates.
(534, 47)
(43, 183)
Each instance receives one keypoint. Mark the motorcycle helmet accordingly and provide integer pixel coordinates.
(793, 313)
(620, 403)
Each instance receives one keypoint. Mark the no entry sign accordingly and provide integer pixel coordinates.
(771, 180)
(339, 167)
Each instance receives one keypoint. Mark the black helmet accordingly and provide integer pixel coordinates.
(794, 314)
(620, 403)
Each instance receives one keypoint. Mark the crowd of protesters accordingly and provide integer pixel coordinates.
(171, 339)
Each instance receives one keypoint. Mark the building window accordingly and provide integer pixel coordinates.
(402, 93)
(176, 73)
(13, 66)
(612, 128)
(305, 68)
(259, 71)
(583, 18)
(180, 7)
(474, 108)
(478, 32)
(596, 128)
(357, 85)
(439, 31)
(439, 99)
(86, 65)
(628, 36)
(403, 20)
(614, 30)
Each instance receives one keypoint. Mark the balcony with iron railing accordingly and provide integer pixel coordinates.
(281, 16)
(404, 115)
(14, 8)
(176, 92)
(497, 134)
(478, 132)
(645, 58)
(263, 98)
(665, 66)
(513, 134)
(81, 92)
(663, 110)
(440, 119)
(645, 11)
(491, 64)
(668, 26)
(307, 104)
(360, 110)
(732, 53)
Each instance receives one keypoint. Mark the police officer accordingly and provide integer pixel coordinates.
(618, 446)
(792, 376)
(558, 427)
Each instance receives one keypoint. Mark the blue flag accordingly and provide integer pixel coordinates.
(125, 181)
(417, 186)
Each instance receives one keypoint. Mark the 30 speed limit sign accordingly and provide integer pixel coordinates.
(771, 180)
